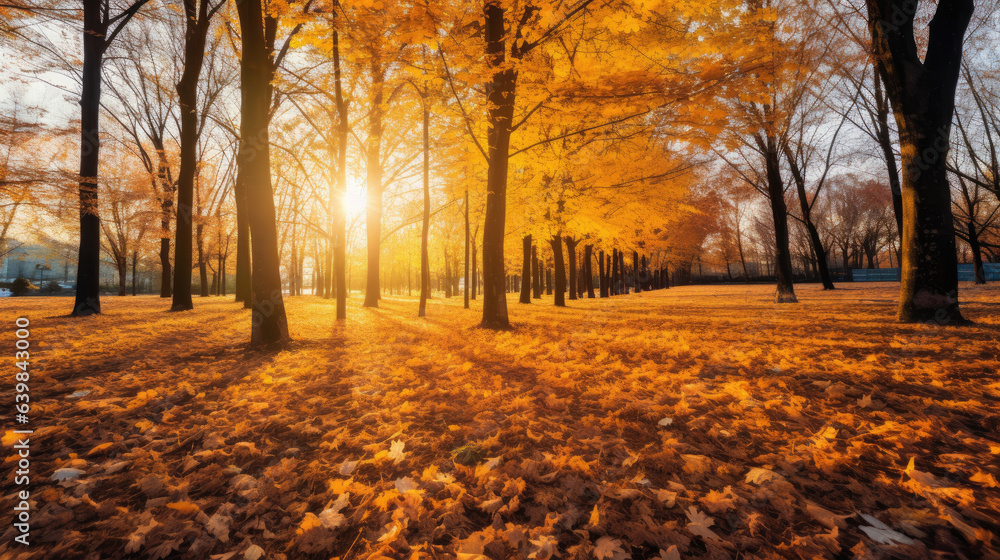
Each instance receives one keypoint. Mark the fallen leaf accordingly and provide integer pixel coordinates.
(700, 523)
(396, 452)
(253, 552)
(607, 547)
(882, 534)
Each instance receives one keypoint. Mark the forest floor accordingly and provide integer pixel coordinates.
(696, 422)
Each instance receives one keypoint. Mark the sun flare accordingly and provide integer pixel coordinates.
(354, 202)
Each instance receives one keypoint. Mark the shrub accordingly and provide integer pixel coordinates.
(53, 287)
(20, 286)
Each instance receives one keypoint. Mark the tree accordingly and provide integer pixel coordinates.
(922, 94)
(269, 325)
(799, 161)
(767, 113)
(559, 271)
(500, 36)
(198, 17)
(126, 213)
(978, 173)
(859, 70)
(100, 28)
(141, 80)
(20, 168)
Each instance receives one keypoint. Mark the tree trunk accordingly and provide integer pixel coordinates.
(425, 267)
(202, 265)
(500, 96)
(475, 270)
(621, 272)
(922, 94)
(977, 254)
(779, 213)
(588, 259)
(806, 209)
(122, 264)
(373, 221)
(268, 323)
(536, 283)
(219, 289)
(635, 272)
(197, 19)
(339, 270)
(525, 269)
(88, 268)
(571, 259)
(560, 271)
(602, 278)
(614, 272)
(885, 143)
(166, 213)
(447, 274)
(465, 291)
(135, 281)
(243, 290)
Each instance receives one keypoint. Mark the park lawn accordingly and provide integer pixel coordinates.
(695, 422)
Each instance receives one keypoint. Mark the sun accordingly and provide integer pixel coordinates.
(354, 202)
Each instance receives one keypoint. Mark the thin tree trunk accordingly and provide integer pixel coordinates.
(374, 193)
(166, 213)
(571, 259)
(447, 274)
(804, 206)
(536, 283)
(135, 281)
(613, 276)
(602, 277)
(888, 154)
(202, 265)
(621, 273)
(635, 272)
(977, 254)
(243, 288)
(588, 258)
(559, 272)
(475, 270)
(425, 267)
(339, 271)
(465, 291)
(779, 213)
(526, 269)
(196, 29)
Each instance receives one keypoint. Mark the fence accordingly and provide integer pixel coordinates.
(875, 274)
(965, 273)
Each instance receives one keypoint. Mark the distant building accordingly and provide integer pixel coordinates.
(25, 260)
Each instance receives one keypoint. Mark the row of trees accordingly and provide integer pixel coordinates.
(679, 131)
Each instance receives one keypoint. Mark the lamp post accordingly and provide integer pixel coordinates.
(41, 268)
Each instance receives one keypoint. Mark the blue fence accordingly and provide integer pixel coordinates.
(966, 273)
(875, 274)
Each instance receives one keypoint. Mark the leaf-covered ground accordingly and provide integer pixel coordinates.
(699, 422)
